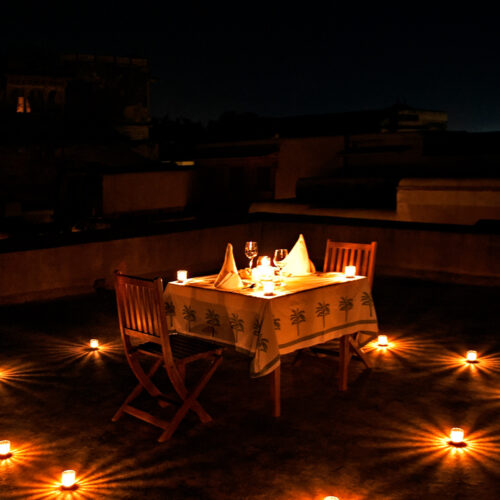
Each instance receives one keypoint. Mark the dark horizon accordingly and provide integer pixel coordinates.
(276, 70)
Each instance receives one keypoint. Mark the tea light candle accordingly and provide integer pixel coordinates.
(4, 448)
(382, 341)
(182, 275)
(94, 344)
(329, 497)
(350, 271)
(268, 286)
(471, 356)
(68, 479)
(457, 435)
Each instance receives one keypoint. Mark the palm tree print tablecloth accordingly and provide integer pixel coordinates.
(306, 311)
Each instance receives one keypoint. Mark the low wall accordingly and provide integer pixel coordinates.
(448, 201)
(452, 254)
(146, 191)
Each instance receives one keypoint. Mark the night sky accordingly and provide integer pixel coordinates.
(277, 64)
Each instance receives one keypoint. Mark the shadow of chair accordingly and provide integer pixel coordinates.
(145, 336)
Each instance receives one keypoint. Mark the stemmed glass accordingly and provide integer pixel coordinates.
(251, 251)
(279, 259)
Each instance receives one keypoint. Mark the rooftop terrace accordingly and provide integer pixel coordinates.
(385, 438)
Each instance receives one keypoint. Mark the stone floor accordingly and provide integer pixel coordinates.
(385, 438)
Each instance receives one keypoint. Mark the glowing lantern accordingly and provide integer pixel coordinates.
(4, 448)
(68, 479)
(471, 356)
(182, 275)
(382, 341)
(457, 435)
(94, 344)
(350, 271)
(268, 287)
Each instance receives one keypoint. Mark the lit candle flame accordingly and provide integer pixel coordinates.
(68, 478)
(4, 448)
(266, 261)
(350, 271)
(94, 344)
(471, 356)
(382, 341)
(182, 275)
(457, 435)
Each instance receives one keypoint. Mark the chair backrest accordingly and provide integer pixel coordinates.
(140, 307)
(341, 254)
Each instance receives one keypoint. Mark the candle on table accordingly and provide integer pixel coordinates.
(94, 344)
(350, 271)
(471, 356)
(382, 341)
(268, 286)
(457, 435)
(182, 275)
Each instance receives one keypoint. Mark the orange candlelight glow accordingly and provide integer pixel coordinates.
(268, 286)
(382, 341)
(457, 435)
(4, 448)
(182, 275)
(350, 271)
(471, 356)
(94, 344)
(329, 497)
(68, 479)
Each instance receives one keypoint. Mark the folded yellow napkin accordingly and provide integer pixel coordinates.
(297, 262)
(228, 277)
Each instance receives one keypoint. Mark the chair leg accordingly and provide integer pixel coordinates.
(275, 378)
(345, 356)
(356, 347)
(137, 390)
(190, 403)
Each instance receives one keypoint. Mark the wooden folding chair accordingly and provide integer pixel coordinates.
(338, 255)
(144, 331)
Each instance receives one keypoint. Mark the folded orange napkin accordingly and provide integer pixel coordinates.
(297, 262)
(228, 277)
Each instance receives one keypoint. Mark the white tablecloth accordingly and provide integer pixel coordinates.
(306, 311)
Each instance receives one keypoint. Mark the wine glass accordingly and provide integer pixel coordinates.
(251, 251)
(279, 259)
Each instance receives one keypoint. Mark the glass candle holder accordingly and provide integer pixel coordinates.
(4, 448)
(382, 341)
(471, 356)
(350, 271)
(68, 479)
(182, 275)
(94, 344)
(268, 286)
(457, 435)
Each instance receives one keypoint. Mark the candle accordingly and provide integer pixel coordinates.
(471, 356)
(350, 271)
(264, 271)
(182, 275)
(268, 286)
(457, 435)
(330, 497)
(68, 479)
(4, 448)
(382, 341)
(94, 344)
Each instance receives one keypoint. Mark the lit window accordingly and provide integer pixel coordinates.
(23, 105)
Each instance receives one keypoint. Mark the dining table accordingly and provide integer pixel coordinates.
(303, 311)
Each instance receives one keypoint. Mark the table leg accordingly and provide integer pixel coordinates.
(275, 377)
(344, 358)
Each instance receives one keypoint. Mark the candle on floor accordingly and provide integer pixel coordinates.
(350, 271)
(182, 275)
(268, 286)
(457, 435)
(382, 341)
(68, 479)
(4, 448)
(471, 356)
(94, 344)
